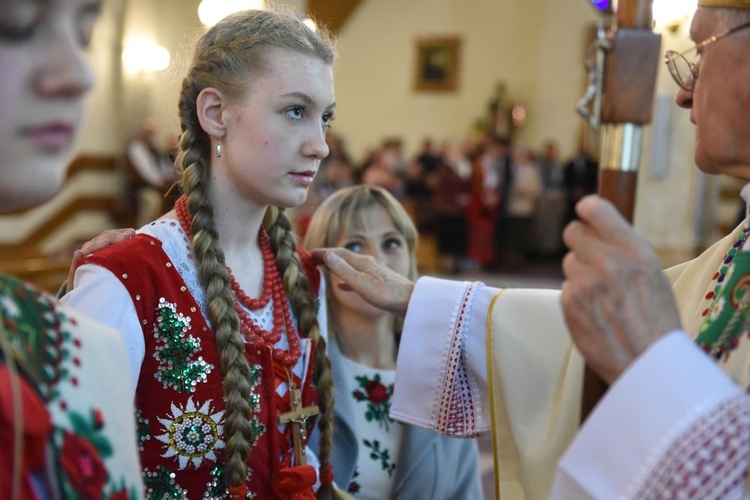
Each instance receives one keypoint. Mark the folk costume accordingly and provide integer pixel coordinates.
(502, 359)
(375, 457)
(148, 288)
(63, 372)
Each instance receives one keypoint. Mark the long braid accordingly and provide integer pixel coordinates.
(297, 287)
(225, 323)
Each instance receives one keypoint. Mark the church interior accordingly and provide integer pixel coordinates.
(446, 72)
(407, 70)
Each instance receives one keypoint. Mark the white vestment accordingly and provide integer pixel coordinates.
(673, 394)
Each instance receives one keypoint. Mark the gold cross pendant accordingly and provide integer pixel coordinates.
(297, 416)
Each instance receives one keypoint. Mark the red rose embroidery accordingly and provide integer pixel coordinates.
(83, 467)
(377, 398)
(376, 392)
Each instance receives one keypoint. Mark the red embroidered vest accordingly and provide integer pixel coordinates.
(179, 399)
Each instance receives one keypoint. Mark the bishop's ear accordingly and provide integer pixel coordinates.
(210, 106)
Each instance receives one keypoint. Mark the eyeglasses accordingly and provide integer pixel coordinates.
(682, 70)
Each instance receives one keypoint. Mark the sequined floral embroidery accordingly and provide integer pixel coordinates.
(257, 427)
(176, 350)
(143, 429)
(161, 484)
(192, 434)
(216, 489)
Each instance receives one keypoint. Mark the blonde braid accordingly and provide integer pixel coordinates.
(225, 323)
(297, 287)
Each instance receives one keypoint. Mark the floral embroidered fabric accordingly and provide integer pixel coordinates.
(379, 436)
(729, 316)
(72, 364)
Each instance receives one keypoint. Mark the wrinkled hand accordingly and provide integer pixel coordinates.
(107, 238)
(615, 299)
(371, 279)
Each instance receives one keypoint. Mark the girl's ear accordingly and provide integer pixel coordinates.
(210, 106)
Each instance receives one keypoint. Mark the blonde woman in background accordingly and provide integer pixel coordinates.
(375, 457)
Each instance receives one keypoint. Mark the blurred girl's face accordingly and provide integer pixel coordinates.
(44, 79)
(379, 239)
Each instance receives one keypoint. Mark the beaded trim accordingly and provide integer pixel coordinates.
(721, 274)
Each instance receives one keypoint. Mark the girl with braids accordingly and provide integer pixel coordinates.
(226, 385)
(376, 457)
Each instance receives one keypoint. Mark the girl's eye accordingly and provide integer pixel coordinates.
(354, 246)
(17, 34)
(296, 112)
(20, 20)
(327, 119)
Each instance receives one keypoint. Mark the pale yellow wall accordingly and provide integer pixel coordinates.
(536, 46)
(101, 133)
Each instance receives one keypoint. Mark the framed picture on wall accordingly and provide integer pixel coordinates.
(437, 60)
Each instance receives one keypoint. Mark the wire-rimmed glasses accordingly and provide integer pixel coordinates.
(684, 71)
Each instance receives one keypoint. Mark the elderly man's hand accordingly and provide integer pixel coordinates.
(370, 278)
(616, 300)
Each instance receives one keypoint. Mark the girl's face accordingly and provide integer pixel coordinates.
(275, 134)
(380, 239)
(44, 79)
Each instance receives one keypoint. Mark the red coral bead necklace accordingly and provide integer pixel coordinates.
(272, 287)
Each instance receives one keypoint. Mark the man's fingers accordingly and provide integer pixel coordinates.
(331, 260)
(362, 263)
(575, 235)
(602, 217)
(600, 231)
(370, 278)
(92, 246)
